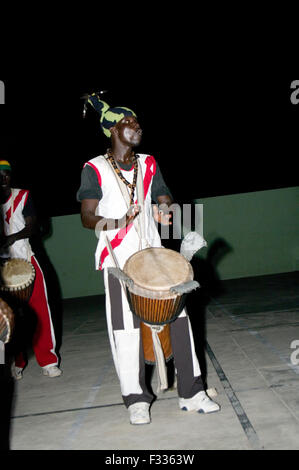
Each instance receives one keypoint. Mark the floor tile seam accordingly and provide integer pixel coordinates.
(244, 421)
(268, 385)
(251, 315)
(216, 304)
(260, 338)
(219, 346)
(245, 354)
(280, 367)
(73, 390)
(81, 415)
(219, 351)
(98, 332)
(93, 352)
(286, 405)
(267, 327)
(264, 379)
(259, 369)
(97, 344)
(253, 367)
(80, 326)
(84, 408)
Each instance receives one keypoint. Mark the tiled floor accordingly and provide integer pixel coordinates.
(247, 329)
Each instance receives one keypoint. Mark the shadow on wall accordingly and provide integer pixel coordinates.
(205, 272)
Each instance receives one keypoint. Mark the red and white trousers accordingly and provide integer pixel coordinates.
(44, 342)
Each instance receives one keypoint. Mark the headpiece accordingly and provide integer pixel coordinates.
(108, 116)
(5, 165)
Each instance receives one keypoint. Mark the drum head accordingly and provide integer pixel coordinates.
(16, 273)
(158, 269)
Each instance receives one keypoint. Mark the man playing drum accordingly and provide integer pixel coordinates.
(104, 209)
(18, 223)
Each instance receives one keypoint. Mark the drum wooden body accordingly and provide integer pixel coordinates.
(6, 322)
(154, 272)
(17, 280)
(147, 342)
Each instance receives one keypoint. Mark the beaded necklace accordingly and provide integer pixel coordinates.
(132, 185)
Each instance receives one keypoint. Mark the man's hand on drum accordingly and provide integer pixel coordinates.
(111, 224)
(130, 215)
(6, 242)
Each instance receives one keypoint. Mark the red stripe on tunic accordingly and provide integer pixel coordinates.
(97, 172)
(16, 203)
(149, 161)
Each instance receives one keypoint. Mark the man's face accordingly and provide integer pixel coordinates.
(129, 131)
(4, 180)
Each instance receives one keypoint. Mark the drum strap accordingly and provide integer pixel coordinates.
(140, 199)
(114, 261)
(139, 222)
(159, 356)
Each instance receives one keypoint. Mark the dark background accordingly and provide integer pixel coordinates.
(214, 129)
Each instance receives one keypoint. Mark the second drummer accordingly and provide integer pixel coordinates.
(18, 221)
(104, 209)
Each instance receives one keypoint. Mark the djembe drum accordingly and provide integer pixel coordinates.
(6, 322)
(158, 280)
(17, 280)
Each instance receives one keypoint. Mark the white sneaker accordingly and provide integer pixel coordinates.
(200, 402)
(17, 372)
(139, 413)
(52, 371)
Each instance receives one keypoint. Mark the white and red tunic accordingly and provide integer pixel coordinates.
(13, 221)
(112, 205)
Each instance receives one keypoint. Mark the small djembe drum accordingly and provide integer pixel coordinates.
(17, 280)
(6, 322)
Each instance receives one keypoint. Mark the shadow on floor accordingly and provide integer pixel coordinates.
(205, 272)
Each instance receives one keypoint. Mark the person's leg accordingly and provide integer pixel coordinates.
(21, 339)
(126, 344)
(192, 395)
(44, 342)
(189, 379)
